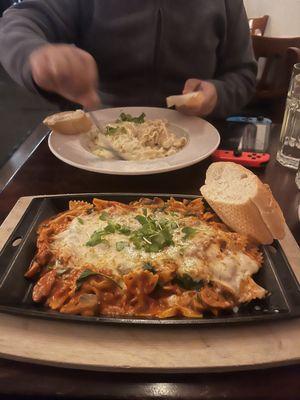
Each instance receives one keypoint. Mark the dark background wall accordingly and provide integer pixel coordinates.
(20, 111)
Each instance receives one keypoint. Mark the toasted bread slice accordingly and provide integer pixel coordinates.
(243, 202)
(69, 122)
(189, 99)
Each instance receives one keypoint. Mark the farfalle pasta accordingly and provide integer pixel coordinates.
(150, 258)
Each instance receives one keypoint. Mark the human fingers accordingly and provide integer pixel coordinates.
(192, 85)
(203, 103)
(66, 70)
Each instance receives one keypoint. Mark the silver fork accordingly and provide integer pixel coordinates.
(107, 145)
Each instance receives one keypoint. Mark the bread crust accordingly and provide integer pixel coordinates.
(258, 216)
(270, 211)
(189, 99)
(69, 122)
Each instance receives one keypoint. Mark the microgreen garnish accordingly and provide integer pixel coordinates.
(104, 216)
(99, 235)
(80, 220)
(152, 236)
(189, 232)
(110, 228)
(124, 230)
(96, 238)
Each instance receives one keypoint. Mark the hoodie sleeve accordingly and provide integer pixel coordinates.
(31, 24)
(236, 74)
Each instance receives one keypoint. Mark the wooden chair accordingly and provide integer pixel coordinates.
(258, 25)
(280, 54)
(293, 57)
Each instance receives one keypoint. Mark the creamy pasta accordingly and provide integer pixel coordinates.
(137, 138)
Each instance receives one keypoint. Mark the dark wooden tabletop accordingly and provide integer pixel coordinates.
(44, 174)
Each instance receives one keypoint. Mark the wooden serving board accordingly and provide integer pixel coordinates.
(148, 349)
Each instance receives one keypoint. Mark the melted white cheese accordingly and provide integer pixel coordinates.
(211, 264)
(232, 269)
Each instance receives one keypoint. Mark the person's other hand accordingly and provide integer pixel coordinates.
(203, 105)
(67, 71)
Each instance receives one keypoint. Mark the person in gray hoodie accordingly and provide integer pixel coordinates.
(132, 52)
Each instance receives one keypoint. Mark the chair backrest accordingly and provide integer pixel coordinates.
(279, 60)
(293, 56)
(258, 25)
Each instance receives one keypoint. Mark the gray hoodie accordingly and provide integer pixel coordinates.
(145, 49)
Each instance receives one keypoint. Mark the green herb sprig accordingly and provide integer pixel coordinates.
(111, 130)
(99, 235)
(87, 273)
(153, 235)
(187, 282)
(104, 216)
(129, 118)
(189, 232)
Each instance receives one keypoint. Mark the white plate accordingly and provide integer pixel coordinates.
(203, 139)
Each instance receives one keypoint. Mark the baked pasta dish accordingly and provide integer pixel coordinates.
(137, 138)
(149, 258)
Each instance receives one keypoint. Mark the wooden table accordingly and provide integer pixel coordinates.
(44, 174)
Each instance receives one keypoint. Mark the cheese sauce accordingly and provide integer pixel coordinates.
(194, 251)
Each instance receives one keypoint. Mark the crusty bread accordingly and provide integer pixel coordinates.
(69, 122)
(243, 202)
(189, 99)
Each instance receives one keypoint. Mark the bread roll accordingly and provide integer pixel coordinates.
(243, 202)
(69, 122)
(189, 99)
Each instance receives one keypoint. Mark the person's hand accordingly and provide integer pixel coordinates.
(202, 105)
(67, 71)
